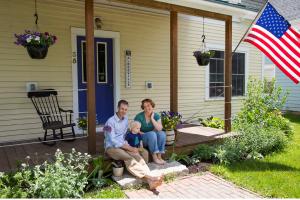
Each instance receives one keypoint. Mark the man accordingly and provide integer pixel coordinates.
(117, 147)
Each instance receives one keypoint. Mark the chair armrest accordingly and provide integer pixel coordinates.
(70, 111)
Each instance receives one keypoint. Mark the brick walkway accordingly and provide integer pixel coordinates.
(195, 186)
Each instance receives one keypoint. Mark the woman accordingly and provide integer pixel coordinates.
(153, 136)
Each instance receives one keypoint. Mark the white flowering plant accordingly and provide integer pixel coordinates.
(65, 177)
(37, 39)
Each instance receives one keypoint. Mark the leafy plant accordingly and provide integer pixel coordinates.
(251, 144)
(207, 54)
(37, 39)
(15, 185)
(261, 129)
(203, 152)
(170, 120)
(66, 177)
(82, 123)
(99, 176)
(213, 122)
(262, 107)
(184, 159)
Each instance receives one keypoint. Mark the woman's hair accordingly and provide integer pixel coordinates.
(147, 101)
(133, 124)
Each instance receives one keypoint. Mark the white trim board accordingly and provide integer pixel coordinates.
(116, 65)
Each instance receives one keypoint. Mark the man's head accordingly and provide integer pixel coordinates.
(122, 108)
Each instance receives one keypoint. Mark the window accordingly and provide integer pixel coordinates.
(216, 74)
(101, 62)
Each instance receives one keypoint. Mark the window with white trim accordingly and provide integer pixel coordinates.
(216, 74)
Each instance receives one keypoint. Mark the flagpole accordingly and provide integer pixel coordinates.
(254, 20)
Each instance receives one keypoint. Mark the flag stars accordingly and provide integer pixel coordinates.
(272, 21)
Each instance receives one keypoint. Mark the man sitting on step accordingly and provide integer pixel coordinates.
(117, 148)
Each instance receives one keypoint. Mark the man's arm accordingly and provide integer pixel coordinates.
(127, 147)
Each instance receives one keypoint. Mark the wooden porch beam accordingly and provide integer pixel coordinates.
(228, 74)
(176, 8)
(174, 61)
(91, 103)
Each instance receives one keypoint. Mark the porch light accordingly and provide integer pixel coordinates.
(98, 23)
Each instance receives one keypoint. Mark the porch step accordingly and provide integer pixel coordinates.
(170, 168)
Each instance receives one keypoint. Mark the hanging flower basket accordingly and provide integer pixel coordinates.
(39, 52)
(203, 57)
(36, 43)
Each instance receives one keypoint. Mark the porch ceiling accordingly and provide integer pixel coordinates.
(176, 8)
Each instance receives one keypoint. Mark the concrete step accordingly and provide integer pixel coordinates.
(170, 168)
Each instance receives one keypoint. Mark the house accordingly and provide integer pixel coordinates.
(143, 34)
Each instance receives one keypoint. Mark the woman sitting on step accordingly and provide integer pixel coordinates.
(153, 136)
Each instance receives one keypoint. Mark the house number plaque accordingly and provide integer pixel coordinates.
(128, 68)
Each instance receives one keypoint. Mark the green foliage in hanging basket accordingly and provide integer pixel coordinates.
(203, 57)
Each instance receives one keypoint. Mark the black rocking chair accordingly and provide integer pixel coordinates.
(52, 115)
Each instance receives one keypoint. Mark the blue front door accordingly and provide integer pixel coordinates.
(103, 78)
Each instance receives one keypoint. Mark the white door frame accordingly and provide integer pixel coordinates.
(116, 65)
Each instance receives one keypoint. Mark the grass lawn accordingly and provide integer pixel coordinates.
(277, 175)
(111, 192)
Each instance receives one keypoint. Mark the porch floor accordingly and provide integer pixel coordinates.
(187, 139)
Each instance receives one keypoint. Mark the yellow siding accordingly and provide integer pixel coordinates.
(145, 34)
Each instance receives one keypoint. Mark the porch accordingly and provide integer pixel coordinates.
(19, 120)
(13, 155)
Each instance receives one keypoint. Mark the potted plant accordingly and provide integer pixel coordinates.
(203, 57)
(82, 124)
(36, 43)
(118, 168)
(170, 120)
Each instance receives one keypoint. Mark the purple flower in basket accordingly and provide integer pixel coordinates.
(107, 128)
(170, 119)
(37, 39)
(179, 126)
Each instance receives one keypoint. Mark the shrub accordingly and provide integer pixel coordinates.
(203, 152)
(251, 143)
(261, 129)
(262, 107)
(213, 122)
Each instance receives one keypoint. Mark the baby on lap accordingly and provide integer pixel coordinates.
(134, 138)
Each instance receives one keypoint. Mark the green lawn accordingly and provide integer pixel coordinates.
(277, 175)
(112, 192)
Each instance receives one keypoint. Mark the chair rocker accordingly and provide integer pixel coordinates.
(53, 117)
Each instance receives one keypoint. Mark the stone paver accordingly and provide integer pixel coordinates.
(174, 167)
(206, 185)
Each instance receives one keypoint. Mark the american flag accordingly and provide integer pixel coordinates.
(278, 40)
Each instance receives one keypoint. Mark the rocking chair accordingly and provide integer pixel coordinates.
(53, 117)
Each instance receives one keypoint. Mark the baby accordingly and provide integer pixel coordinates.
(134, 137)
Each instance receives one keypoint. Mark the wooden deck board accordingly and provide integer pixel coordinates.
(4, 161)
(187, 140)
